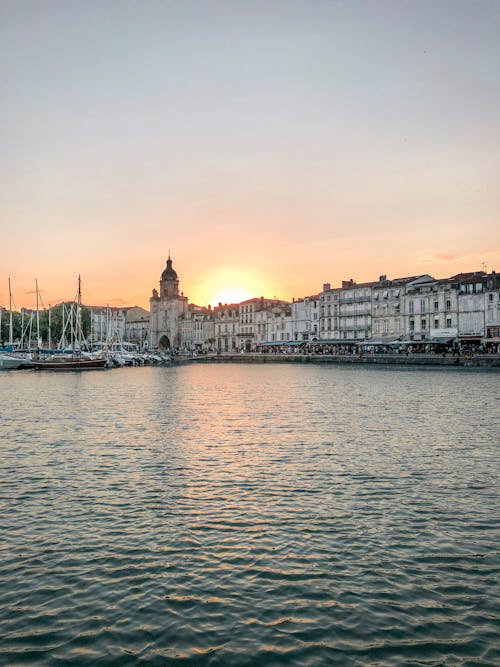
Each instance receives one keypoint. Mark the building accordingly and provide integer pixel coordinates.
(254, 316)
(119, 325)
(355, 308)
(492, 309)
(388, 319)
(421, 309)
(137, 330)
(167, 307)
(306, 318)
(226, 318)
(197, 329)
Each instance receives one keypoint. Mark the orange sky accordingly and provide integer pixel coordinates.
(270, 146)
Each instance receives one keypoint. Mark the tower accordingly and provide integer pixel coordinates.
(165, 310)
(169, 283)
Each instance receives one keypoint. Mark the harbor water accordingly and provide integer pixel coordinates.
(238, 514)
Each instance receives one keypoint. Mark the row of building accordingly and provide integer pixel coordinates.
(463, 308)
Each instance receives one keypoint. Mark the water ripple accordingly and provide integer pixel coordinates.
(246, 515)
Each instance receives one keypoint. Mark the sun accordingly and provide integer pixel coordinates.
(229, 295)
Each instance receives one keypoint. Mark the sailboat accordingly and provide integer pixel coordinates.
(9, 359)
(77, 359)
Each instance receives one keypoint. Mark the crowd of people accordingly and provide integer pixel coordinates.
(399, 348)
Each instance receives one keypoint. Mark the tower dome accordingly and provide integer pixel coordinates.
(169, 273)
(169, 282)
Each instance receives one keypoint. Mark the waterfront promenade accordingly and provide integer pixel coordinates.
(464, 360)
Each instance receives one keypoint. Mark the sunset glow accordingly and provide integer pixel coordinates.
(230, 295)
(271, 146)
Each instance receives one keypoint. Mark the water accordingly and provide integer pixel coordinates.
(249, 515)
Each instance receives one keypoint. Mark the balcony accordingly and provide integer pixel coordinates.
(354, 327)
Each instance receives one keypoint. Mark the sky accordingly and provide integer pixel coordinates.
(269, 146)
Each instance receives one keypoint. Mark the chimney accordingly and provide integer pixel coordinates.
(326, 287)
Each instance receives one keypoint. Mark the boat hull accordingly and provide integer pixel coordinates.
(69, 364)
(7, 362)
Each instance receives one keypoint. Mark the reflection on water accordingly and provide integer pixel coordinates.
(246, 514)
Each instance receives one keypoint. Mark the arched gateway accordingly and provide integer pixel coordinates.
(164, 343)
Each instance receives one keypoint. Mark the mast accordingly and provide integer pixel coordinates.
(63, 345)
(49, 329)
(10, 314)
(79, 316)
(37, 316)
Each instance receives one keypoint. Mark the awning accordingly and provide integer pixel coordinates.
(335, 341)
(284, 342)
(442, 339)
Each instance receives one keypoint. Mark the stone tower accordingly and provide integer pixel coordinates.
(169, 283)
(165, 310)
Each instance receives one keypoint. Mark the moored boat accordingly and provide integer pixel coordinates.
(76, 362)
(10, 361)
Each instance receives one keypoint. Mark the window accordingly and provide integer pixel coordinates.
(448, 322)
(423, 324)
(410, 307)
(436, 305)
(412, 325)
(448, 305)
(422, 305)
(436, 323)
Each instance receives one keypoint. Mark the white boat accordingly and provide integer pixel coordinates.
(8, 361)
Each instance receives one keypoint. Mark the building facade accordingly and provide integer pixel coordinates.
(419, 309)
(167, 307)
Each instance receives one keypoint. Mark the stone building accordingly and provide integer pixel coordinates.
(197, 329)
(254, 315)
(110, 325)
(388, 322)
(492, 308)
(137, 327)
(420, 309)
(226, 327)
(305, 318)
(355, 308)
(166, 308)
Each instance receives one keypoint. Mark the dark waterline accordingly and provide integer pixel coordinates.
(250, 515)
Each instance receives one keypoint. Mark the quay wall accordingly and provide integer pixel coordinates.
(478, 361)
